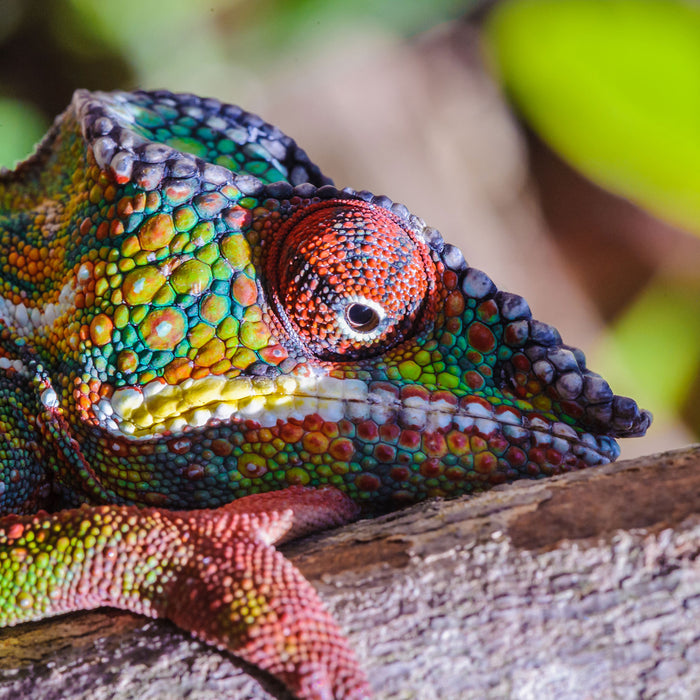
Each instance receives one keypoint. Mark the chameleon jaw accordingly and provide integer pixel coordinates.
(163, 409)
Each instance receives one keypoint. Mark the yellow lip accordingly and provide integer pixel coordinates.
(157, 407)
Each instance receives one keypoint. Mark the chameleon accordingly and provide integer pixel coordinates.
(207, 348)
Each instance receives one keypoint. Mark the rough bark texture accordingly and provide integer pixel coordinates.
(586, 585)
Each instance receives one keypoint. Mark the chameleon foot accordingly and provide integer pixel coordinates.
(215, 573)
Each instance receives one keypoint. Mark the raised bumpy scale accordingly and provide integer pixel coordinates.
(190, 314)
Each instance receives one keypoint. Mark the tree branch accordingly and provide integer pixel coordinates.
(586, 585)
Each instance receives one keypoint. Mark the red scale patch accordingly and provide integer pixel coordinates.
(434, 445)
(291, 433)
(409, 439)
(368, 431)
(341, 449)
(399, 474)
(411, 390)
(367, 482)
(481, 338)
(385, 453)
(389, 432)
(431, 468)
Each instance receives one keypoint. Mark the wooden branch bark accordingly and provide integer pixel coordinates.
(586, 585)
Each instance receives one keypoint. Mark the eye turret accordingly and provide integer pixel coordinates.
(348, 279)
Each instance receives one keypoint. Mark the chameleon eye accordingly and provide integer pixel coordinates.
(362, 318)
(347, 279)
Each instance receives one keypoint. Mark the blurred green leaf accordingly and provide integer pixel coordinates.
(21, 126)
(653, 352)
(249, 36)
(614, 86)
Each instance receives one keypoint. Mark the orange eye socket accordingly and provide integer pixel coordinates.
(348, 279)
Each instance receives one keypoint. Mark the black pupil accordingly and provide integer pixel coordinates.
(361, 317)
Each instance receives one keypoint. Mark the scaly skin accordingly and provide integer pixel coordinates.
(191, 314)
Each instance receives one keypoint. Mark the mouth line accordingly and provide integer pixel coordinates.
(158, 409)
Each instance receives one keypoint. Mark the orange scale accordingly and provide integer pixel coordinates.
(474, 380)
(265, 435)
(455, 474)
(139, 202)
(498, 443)
(434, 445)
(125, 207)
(102, 231)
(273, 354)
(153, 200)
(200, 372)
(156, 232)
(291, 433)
(454, 325)
(85, 226)
(244, 290)
(177, 370)
(485, 462)
(478, 444)
(312, 423)
(341, 449)
(116, 228)
(537, 455)
(330, 430)
(110, 192)
(457, 443)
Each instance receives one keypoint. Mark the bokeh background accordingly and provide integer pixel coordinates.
(556, 142)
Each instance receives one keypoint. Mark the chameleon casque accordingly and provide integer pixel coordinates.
(193, 317)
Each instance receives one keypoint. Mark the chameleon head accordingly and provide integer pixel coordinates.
(221, 320)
